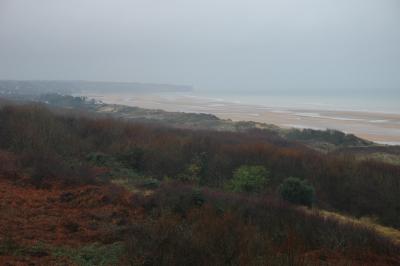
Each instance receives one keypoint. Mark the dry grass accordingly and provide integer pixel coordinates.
(386, 231)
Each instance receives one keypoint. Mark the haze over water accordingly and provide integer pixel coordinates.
(292, 47)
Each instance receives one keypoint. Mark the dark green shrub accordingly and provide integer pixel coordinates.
(134, 158)
(99, 159)
(176, 197)
(297, 191)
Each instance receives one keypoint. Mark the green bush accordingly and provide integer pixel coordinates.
(249, 178)
(191, 174)
(297, 191)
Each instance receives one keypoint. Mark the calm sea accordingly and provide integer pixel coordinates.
(386, 101)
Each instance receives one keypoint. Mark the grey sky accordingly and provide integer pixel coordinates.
(210, 44)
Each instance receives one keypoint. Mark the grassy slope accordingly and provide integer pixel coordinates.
(385, 231)
(45, 226)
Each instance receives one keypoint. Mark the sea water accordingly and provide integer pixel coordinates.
(364, 101)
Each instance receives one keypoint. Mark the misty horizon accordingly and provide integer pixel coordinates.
(193, 88)
(293, 46)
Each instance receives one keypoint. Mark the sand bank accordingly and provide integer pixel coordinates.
(375, 126)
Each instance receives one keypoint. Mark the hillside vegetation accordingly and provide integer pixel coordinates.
(93, 190)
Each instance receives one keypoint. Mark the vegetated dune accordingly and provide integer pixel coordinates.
(73, 190)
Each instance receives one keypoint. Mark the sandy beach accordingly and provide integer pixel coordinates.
(375, 126)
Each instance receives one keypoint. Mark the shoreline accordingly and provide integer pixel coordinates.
(380, 127)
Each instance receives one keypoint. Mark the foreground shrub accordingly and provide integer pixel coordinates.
(8, 165)
(204, 237)
(297, 191)
(239, 229)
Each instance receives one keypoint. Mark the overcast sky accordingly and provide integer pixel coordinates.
(210, 44)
